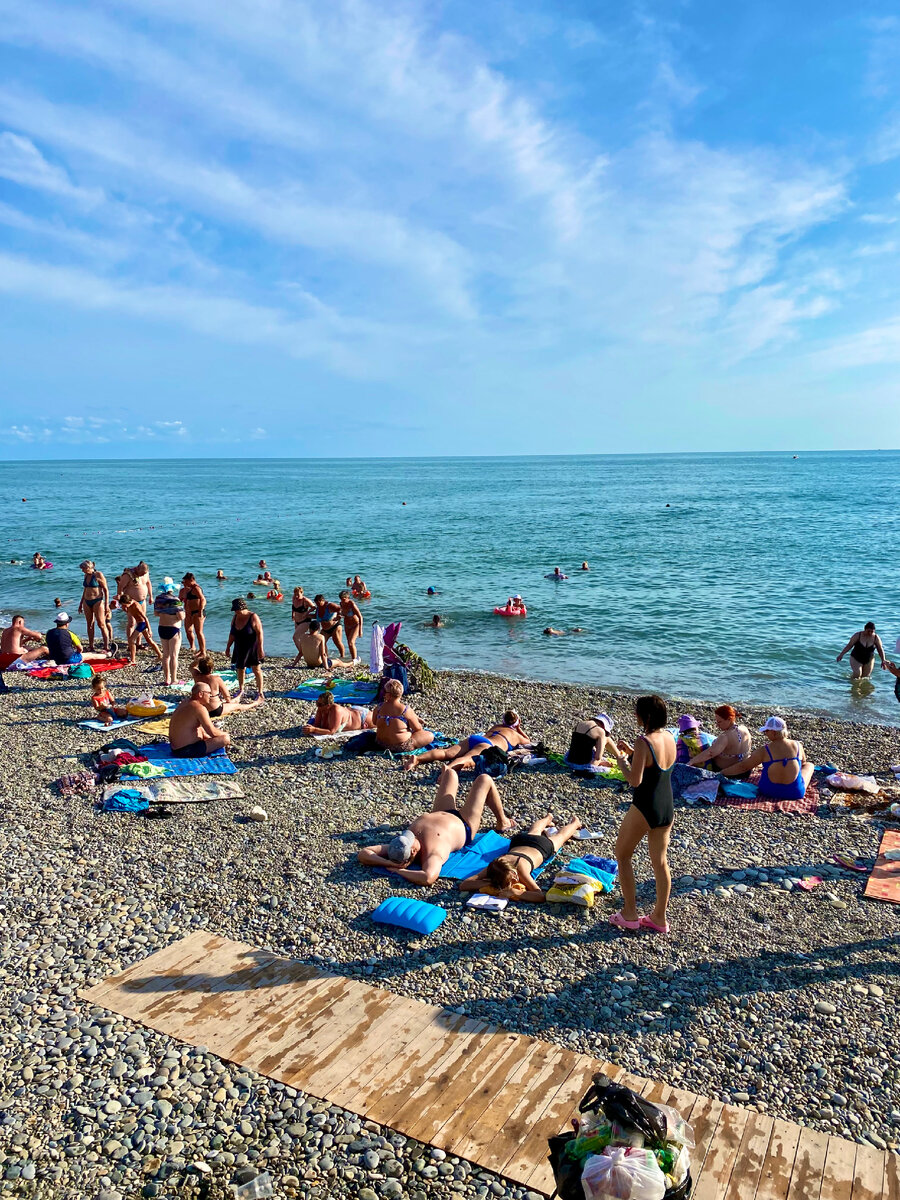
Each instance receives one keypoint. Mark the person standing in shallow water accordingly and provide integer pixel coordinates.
(647, 767)
(862, 646)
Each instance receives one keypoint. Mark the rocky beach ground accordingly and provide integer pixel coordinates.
(763, 994)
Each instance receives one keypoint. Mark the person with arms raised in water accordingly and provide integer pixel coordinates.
(194, 601)
(336, 718)
(94, 604)
(506, 735)
(20, 644)
(647, 767)
(246, 638)
(191, 731)
(863, 646)
(397, 726)
(418, 853)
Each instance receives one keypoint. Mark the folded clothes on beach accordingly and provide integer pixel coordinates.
(345, 691)
(581, 866)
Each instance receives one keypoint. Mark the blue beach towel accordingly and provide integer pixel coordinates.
(345, 691)
(216, 763)
(484, 849)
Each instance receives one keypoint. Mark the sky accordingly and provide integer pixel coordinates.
(278, 228)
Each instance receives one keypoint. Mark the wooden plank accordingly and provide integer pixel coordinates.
(490, 1126)
(809, 1163)
(529, 1163)
(704, 1119)
(891, 1187)
(451, 1050)
(461, 1114)
(387, 1060)
(712, 1178)
(356, 1044)
(429, 1107)
(547, 1080)
(748, 1164)
(775, 1177)
(837, 1179)
(868, 1173)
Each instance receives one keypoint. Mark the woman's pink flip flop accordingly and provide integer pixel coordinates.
(646, 923)
(620, 923)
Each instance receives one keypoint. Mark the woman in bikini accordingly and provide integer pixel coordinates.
(170, 611)
(302, 612)
(732, 746)
(510, 875)
(95, 603)
(353, 623)
(336, 718)
(507, 735)
(397, 727)
(194, 601)
(647, 767)
(786, 771)
(863, 646)
(328, 614)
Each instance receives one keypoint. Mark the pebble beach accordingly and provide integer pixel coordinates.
(762, 995)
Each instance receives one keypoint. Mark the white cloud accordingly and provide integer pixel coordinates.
(21, 162)
(878, 345)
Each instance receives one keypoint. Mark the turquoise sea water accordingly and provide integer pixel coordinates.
(744, 589)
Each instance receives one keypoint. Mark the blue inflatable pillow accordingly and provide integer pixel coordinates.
(409, 914)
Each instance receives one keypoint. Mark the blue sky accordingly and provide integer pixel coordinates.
(271, 227)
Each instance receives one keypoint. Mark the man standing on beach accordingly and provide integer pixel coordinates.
(134, 582)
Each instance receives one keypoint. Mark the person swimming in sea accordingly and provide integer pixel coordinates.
(436, 622)
(220, 574)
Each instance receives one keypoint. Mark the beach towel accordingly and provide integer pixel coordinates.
(118, 723)
(484, 849)
(581, 866)
(805, 806)
(110, 664)
(227, 675)
(684, 777)
(180, 791)
(705, 791)
(216, 763)
(345, 691)
(884, 882)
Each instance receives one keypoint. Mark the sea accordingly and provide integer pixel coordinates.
(724, 577)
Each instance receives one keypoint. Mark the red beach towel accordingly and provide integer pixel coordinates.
(806, 805)
(111, 664)
(884, 882)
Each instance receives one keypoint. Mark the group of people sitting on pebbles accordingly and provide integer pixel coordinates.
(418, 853)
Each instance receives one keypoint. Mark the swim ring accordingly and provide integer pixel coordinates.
(552, 576)
(47, 566)
(366, 595)
(506, 611)
(274, 595)
(156, 709)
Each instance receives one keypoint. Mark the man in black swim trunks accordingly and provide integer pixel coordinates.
(191, 732)
(418, 853)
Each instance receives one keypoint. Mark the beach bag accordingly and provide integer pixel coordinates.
(363, 743)
(492, 761)
(81, 671)
(570, 888)
(392, 671)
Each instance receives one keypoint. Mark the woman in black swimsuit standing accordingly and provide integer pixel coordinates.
(302, 612)
(246, 638)
(862, 647)
(650, 816)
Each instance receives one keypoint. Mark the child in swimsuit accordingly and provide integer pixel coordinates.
(510, 876)
(103, 704)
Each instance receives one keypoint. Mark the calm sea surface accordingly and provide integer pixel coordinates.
(743, 589)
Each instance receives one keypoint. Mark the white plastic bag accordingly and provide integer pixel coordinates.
(677, 1128)
(623, 1174)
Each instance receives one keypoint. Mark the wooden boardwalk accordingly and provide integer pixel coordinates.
(472, 1089)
